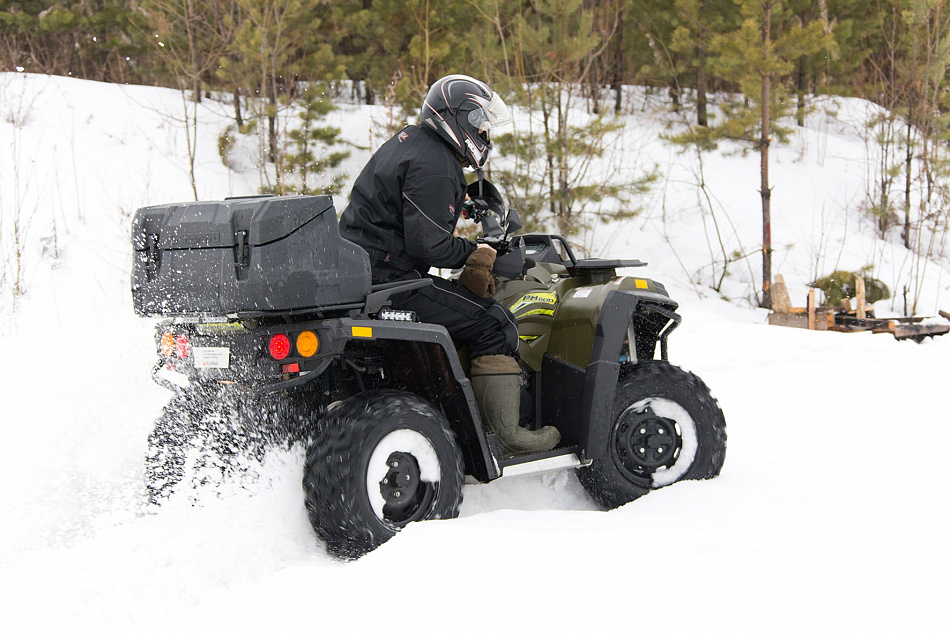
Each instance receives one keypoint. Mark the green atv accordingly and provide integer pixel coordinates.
(274, 335)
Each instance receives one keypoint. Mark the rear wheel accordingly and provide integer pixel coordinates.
(667, 427)
(386, 458)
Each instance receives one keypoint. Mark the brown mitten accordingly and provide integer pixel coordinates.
(476, 275)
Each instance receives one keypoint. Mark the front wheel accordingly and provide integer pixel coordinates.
(667, 427)
(386, 458)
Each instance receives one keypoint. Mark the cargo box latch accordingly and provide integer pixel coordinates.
(152, 258)
(243, 250)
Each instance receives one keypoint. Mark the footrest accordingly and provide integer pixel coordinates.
(557, 459)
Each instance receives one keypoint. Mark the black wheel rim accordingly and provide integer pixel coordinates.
(645, 443)
(407, 498)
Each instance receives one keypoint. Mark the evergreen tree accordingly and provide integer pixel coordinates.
(352, 28)
(310, 159)
(403, 46)
(925, 50)
(187, 38)
(552, 46)
(679, 36)
(277, 45)
(697, 22)
(91, 40)
(655, 61)
(760, 57)
(808, 66)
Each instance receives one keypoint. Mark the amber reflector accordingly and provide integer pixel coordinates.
(167, 344)
(307, 343)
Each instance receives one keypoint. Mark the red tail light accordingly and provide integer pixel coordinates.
(182, 346)
(279, 346)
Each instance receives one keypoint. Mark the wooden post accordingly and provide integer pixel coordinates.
(859, 286)
(811, 308)
(780, 298)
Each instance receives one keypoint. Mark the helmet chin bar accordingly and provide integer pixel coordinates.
(478, 158)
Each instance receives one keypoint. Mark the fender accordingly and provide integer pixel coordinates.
(585, 393)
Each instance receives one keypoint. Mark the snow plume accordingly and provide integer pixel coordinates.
(211, 443)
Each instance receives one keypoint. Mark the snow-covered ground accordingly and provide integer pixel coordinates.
(829, 515)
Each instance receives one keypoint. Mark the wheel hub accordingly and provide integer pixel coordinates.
(646, 442)
(402, 489)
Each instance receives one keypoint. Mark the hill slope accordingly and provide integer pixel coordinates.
(829, 513)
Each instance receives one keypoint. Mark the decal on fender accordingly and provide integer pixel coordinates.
(532, 298)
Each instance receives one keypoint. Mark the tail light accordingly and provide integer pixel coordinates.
(182, 347)
(279, 346)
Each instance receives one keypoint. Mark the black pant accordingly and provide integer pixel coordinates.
(484, 325)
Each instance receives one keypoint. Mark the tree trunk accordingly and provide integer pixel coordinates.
(272, 123)
(801, 81)
(702, 118)
(238, 119)
(909, 160)
(191, 25)
(618, 60)
(800, 88)
(766, 192)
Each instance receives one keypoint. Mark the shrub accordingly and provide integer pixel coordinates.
(841, 285)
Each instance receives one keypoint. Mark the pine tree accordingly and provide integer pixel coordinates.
(655, 61)
(697, 23)
(90, 40)
(311, 159)
(403, 46)
(552, 46)
(277, 45)
(760, 57)
(187, 39)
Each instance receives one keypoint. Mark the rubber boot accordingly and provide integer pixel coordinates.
(496, 380)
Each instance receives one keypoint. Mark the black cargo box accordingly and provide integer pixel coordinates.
(262, 254)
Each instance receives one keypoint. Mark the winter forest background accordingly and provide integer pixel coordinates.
(733, 74)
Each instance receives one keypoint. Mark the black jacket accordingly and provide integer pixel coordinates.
(405, 204)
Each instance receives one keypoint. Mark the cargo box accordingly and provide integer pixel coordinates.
(261, 254)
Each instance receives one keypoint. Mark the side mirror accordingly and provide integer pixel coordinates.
(513, 222)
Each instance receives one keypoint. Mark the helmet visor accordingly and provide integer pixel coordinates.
(493, 115)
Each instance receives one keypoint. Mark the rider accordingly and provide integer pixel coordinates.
(403, 210)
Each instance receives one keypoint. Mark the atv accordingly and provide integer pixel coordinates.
(273, 332)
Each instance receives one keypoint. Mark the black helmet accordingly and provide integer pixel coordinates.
(461, 110)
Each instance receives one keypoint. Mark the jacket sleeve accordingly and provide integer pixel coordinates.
(430, 213)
